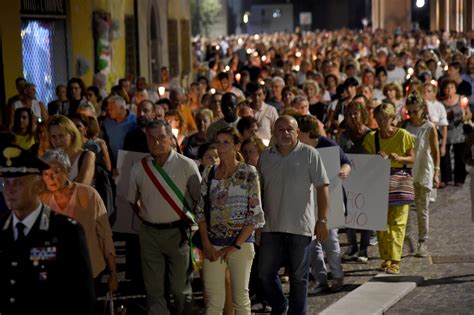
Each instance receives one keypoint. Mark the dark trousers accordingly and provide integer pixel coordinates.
(459, 165)
(364, 241)
(274, 249)
(255, 286)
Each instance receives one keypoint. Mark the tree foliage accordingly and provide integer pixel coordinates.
(205, 13)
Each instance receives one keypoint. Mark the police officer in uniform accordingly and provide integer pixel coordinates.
(44, 262)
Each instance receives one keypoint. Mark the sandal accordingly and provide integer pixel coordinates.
(394, 269)
(384, 265)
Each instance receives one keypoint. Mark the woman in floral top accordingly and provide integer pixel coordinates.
(235, 212)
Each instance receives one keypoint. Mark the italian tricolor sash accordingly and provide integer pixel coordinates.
(168, 189)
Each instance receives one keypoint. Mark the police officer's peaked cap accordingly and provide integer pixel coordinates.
(16, 162)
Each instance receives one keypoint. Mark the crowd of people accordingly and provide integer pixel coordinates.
(235, 153)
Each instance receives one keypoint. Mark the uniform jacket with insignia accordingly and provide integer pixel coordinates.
(47, 273)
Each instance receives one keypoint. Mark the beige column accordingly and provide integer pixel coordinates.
(434, 15)
(447, 15)
(390, 15)
(455, 15)
(377, 14)
(469, 16)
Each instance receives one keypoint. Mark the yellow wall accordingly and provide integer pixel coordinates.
(80, 36)
(10, 26)
(82, 41)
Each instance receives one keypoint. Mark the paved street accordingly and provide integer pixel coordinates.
(448, 287)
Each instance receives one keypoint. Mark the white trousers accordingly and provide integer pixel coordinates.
(240, 265)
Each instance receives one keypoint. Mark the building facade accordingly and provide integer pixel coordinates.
(100, 41)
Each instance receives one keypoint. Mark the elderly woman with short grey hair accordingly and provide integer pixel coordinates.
(83, 204)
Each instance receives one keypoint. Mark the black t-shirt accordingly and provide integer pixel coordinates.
(319, 110)
(464, 88)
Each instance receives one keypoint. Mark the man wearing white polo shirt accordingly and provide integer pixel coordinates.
(290, 172)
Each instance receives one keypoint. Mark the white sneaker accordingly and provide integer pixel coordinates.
(362, 259)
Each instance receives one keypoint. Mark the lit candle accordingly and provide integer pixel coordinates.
(266, 142)
(175, 132)
(237, 77)
(161, 90)
(213, 91)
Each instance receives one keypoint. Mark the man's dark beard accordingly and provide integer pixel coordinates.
(142, 121)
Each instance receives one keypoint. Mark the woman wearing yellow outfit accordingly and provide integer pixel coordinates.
(397, 145)
(24, 128)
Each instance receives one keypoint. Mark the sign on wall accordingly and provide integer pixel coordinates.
(43, 7)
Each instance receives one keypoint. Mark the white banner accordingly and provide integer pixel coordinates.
(332, 164)
(127, 221)
(367, 192)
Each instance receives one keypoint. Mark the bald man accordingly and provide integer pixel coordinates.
(289, 205)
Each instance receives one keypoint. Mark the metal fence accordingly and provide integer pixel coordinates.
(44, 55)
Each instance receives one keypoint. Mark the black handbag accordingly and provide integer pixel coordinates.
(196, 239)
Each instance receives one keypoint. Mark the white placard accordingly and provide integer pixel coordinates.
(367, 192)
(332, 164)
(126, 221)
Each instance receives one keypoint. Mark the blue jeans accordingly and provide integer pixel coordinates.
(333, 254)
(275, 249)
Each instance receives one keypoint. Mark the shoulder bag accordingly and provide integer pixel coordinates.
(401, 190)
(196, 240)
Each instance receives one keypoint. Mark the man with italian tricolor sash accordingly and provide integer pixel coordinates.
(164, 188)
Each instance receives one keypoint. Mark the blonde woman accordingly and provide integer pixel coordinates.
(394, 93)
(397, 145)
(63, 134)
(426, 169)
(313, 93)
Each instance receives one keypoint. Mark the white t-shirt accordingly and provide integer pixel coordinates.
(396, 75)
(437, 113)
(266, 118)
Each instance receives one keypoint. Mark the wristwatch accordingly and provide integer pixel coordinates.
(236, 246)
(325, 221)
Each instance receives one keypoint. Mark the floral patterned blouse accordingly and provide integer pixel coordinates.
(235, 203)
